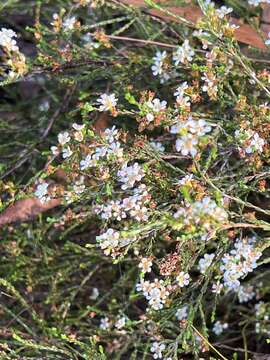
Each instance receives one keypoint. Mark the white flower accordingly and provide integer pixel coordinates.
(55, 150)
(139, 213)
(150, 117)
(182, 313)
(158, 60)
(158, 68)
(156, 105)
(78, 127)
(145, 265)
(205, 262)
(107, 102)
(241, 260)
(198, 127)
(87, 162)
(115, 149)
(121, 322)
(144, 286)
(69, 23)
(108, 241)
(157, 349)
(210, 85)
(110, 134)
(256, 144)
(7, 41)
(218, 327)
(187, 145)
(245, 293)
(104, 323)
(95, 294)
(67, 152)
(155, 292)
(157, 146)
(183, 279)
(44, 106)
(79, 186)
(183, 54)
(128, 175)
(63, 138)
(42, 192)
(223, 11)
(181, 89)
(217, 288)
(186, 180)
(88, 40)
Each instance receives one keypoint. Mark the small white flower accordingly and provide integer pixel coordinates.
(95, 294)
(79, 186)
(217, 288)
(158, 62)
(256, 143)
(110, 134)
(157, 349)
(187, 145)
(198, 127)
(245, 293)
(205, 262)
(69, 23)
(128, 175)
(87, 162)
(104, 323)
(157, 146)
(107, 102)
(44, 106)
(108, 241)
(186, 180)
(121, 322)
(42, 192)
(145, 265)
(63, 138)
(150, 117)
(156, 105)
(183, 54)
(78, 127)
(218, 327)
(183, 279)
(7, 41)
(182, 313)
(67, 152)
(223, 11)
(55, 151)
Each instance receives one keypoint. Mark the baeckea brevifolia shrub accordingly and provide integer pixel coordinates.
(148, 143)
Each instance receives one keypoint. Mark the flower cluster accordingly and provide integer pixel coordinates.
(240, 261)
(159, 66)
(250, 141)
(205, 262)
(262, 313)
(219, 327)
(188, 134)
(7, 40)
(155, 292)
(129, 175)
(14, 59)
(205, 214)
(183, 54)
(132, 206)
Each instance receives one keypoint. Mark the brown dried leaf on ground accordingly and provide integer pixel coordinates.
(245, 34)
(26, 209)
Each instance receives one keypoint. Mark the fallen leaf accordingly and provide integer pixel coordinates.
(245, 34)
(26, 209)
